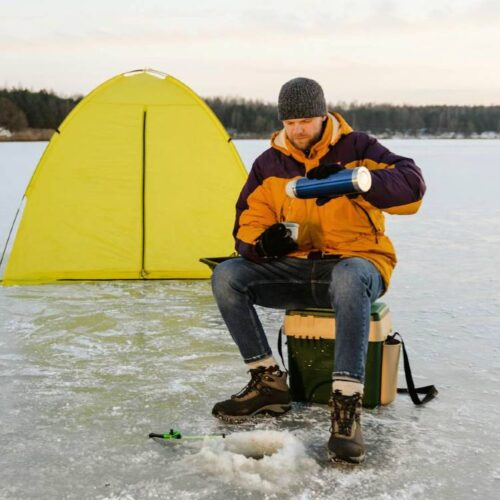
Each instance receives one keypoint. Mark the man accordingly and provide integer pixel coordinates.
(342, 258)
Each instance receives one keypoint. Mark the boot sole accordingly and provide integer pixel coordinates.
(270, 410)
(350, 460)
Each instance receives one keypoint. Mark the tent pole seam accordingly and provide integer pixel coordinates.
(143, 270)
(10, 232)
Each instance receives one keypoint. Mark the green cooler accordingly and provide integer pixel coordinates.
(311, 346)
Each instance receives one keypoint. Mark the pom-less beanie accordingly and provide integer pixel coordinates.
(301, 98)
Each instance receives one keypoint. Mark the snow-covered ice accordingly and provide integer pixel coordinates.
(87, 370)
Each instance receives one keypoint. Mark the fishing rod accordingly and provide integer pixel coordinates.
(178, 435)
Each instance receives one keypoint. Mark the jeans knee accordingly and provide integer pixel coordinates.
(225, 276)
(349, 280)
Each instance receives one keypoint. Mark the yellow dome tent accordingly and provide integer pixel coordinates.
(140, 182)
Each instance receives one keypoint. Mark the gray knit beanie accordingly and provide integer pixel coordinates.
(301, 98)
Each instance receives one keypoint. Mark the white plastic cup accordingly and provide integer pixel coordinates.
(293, 227)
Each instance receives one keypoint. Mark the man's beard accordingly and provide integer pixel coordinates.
(311, 142)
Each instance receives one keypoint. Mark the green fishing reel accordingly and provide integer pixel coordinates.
(171, 435)
(177, 435)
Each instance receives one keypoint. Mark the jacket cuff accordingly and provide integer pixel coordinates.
(249, 252)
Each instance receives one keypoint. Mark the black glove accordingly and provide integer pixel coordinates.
(275, 241)
(323, 171)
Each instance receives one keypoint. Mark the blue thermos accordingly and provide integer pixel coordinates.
(347, 181)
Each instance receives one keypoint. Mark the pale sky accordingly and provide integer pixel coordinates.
(415, 52)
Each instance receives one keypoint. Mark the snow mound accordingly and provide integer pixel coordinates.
(268, 461)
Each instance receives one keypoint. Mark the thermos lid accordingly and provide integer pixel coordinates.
(361, 179)
(290, 188)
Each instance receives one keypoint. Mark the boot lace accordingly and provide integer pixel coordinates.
(345, 411)
(255, 383)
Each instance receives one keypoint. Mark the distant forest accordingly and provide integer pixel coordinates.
(254, 118)
(22, 110)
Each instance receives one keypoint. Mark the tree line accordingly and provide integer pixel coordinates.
(247, 117)
(22, 108)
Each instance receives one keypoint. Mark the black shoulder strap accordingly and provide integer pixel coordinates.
(429, 391)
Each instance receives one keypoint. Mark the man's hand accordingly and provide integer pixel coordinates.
(322, 172)
(275, 241)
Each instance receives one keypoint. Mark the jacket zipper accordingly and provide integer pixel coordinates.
(374, 227)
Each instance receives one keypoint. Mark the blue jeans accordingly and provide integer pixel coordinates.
(348, 285)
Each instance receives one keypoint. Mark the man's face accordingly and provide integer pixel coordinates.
(304, 132)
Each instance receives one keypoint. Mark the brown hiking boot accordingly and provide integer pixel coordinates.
(346, 440)
(266, 393)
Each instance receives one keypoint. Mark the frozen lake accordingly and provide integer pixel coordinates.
(88, 370)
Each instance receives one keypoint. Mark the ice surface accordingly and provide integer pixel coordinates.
(87, 370)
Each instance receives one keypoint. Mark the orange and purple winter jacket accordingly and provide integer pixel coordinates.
(350, 227)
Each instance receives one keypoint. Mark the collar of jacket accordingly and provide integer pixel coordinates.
(335, 128)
